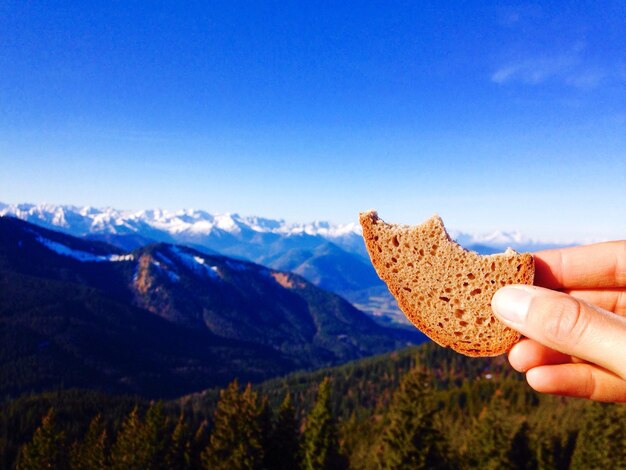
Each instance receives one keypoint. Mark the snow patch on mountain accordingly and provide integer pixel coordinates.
(79, 255)
(127, 257)
(167, 270)
(196, 263)
(165, 260)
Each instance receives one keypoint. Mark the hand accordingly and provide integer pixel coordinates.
(575, 322)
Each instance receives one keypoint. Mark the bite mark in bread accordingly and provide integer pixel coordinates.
(442, 288)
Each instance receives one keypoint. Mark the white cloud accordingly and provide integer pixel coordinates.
(566, 69)
(538, 70)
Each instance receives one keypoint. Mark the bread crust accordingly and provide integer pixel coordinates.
(442, 288)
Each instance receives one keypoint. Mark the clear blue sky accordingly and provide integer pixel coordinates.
(510, 116)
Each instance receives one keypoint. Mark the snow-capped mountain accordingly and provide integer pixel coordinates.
(498, 241)
(330, 256)
(85, 220)
(189, 225)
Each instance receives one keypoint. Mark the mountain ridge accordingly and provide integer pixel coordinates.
(200, 318)
(332, 257)
(83, 220)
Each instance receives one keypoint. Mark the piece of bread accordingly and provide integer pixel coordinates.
(442, 288)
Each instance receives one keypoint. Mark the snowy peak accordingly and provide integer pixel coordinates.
(84, 220)
(198, 227)
(497, 239)
(324, 229)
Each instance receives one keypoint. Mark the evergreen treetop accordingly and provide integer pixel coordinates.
(47, 448)
(321, 442)
(410, 439)
(236, 441)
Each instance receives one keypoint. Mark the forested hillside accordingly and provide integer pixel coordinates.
(422, 407)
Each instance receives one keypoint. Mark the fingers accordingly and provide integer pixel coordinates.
(528, 353)
(601, 265)
(578, 380)
(613, 300)
(565, 324)
(549, 371)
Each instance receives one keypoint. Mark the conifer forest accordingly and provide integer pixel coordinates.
(422, 407)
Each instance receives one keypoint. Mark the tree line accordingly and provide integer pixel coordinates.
(247, 433)
(413, 431)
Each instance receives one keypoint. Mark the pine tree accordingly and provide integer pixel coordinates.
(601, 442)
(321, 444)
(283, 451)
(492, 436)
(91, 453)
(47, 450)
(198, 445)
(555, 438)
(128, 452)
(142, 444)
(155, 437)
(410, 439)
(520, 455)
(266, 427)
(235, 441)
(179, 454)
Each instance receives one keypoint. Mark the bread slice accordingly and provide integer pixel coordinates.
(443, 289)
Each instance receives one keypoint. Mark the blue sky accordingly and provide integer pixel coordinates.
(509, 116)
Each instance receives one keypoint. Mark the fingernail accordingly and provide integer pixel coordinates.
(511, 303)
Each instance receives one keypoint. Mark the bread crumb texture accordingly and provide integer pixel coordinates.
(442, 288)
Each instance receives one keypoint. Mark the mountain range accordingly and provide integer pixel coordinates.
(190, 226)
(332, 257)
(162, 319)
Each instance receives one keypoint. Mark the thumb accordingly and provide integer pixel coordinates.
(565, 324)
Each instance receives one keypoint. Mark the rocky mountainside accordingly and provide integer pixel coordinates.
(162, 319)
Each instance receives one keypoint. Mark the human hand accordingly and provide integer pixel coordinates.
(575, 323)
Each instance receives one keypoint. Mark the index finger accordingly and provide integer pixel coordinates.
(597, 266)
